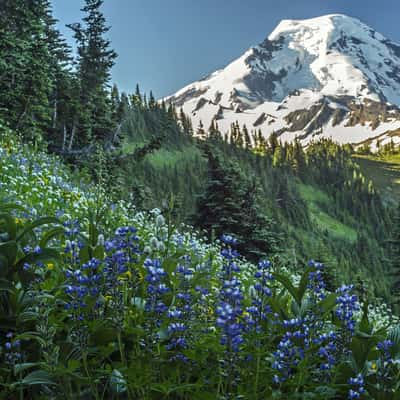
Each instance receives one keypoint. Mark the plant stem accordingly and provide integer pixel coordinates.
(121, 351)
(257, 375)
(93, 387)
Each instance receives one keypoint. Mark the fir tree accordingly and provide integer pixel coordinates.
(394, 257)
(246, 136)
(201, 133)
(230, 204)
(95, 60)
(25, 67)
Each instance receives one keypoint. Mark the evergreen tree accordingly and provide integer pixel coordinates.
(152, 101)
(394, 258)
(299, 160)
(213, 131)
(230, 204)
(246, 136)
(273, 142)
(186, 123)
(25, 67)
(201, 133)
(95, 60)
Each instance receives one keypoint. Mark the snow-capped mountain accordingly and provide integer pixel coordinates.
(330, 76)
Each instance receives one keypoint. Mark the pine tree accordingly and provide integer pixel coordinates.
(246, 136)
(273, 142)
(61, 98)
(299, 160)
(25, 67)
(230, 204)
(394, 257)
(213, 131)
(95, 60)
(136, 98)
(201, 133)
(152, 101)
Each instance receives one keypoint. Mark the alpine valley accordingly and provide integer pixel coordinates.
(237, 240)
(330, 76)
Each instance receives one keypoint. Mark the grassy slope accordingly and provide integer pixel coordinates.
(384, 173)
(315, 199)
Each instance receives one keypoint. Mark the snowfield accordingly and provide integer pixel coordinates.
(333, 61)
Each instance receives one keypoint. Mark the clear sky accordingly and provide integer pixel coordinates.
(165, 44)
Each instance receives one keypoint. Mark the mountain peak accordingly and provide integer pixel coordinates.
(329, 64)
(323, 25)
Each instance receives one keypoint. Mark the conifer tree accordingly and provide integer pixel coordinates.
(152, 101)
(201, 133)
(394, 257)
(273, 142)
(95, 60)
(230, 204)
(246, 136)
(25, 67)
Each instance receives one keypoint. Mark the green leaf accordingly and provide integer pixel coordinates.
(38, 377)
(9, 251)
(36, 224)
(304, 282)
(6, 286)
(11, 206)
(170, 263)
(287, 284)
(98, 252)
(394, 336)
(103, 336)
(53, 233)
(32, 336)
(328, 303)
(93, 234)
(365, 325)
(8, 225)
(44, 255)
(18, 368)
(84, 255)
(3, 266)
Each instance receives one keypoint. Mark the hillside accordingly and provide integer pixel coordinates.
(106, 299)
(384, 171)
(312, 213)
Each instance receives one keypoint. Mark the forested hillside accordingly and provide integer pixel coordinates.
(316, 201)
(144, 257)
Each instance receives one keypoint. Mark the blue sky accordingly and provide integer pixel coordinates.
(165, 44)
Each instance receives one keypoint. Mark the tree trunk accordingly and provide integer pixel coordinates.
(64, 137)
(55, 114)
(71, 140)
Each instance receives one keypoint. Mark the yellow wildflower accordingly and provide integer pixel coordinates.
(125, 275)
(108, 298)
(50, 266)
(141, 277)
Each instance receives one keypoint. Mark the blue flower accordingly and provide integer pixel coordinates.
(229, 308)
(358, 387)
(316, 281)
(346, 307)
(229, 240)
